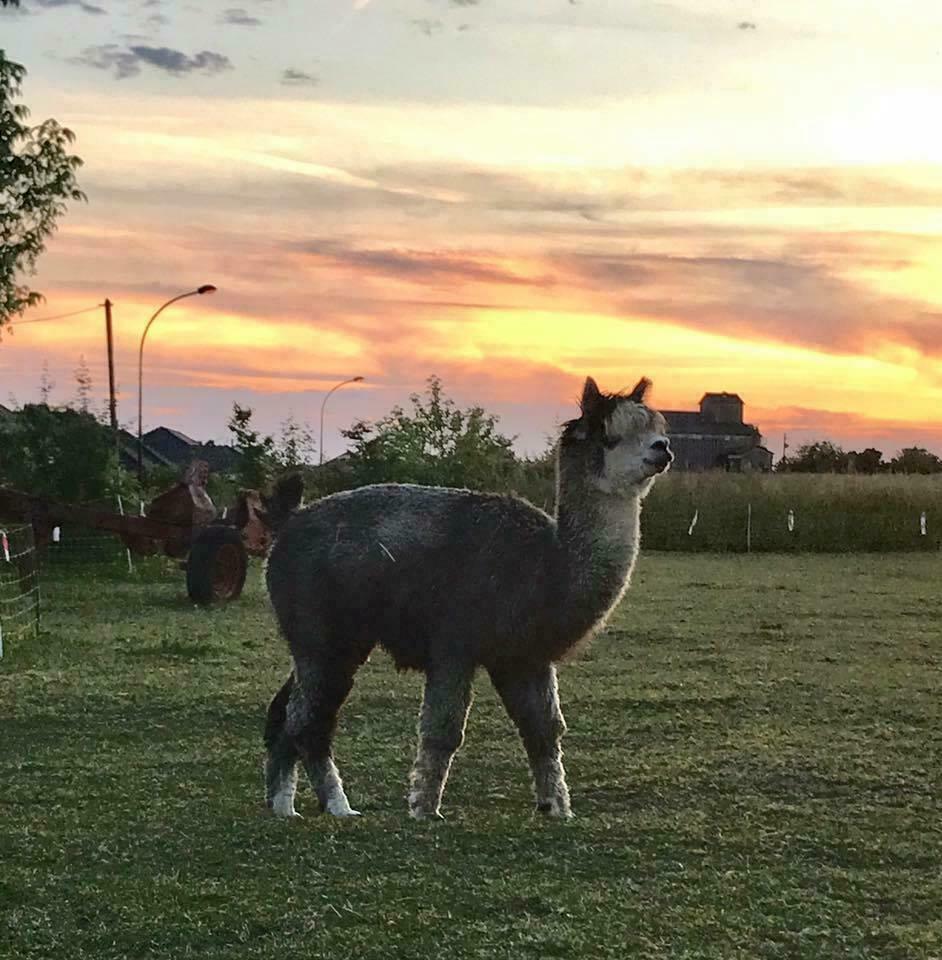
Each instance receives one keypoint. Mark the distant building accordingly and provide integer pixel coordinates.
(179, 449)
(716, 438)
(219, 457)
(173, 446)
(162, 447)
(127, 453)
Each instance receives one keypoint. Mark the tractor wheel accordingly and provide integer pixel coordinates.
(216, 567)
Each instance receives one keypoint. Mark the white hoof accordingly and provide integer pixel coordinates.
(341, 808)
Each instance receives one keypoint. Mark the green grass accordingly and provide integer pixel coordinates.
(754, 757)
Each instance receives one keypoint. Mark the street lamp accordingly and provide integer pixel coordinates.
(206, 288)
(343, 383)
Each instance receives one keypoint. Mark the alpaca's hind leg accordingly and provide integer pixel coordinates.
(318, 693)
(281, 758)
(532, 700)
(445, 707)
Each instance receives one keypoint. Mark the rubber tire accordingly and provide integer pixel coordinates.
(213, 546)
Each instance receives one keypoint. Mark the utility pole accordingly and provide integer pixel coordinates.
(112, 401)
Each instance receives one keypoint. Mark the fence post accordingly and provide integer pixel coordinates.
(749, 529)
(127, 549)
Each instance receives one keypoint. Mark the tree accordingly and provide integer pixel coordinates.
(46, 384)
(866, 461)
(916, 460)
(256, 451)
(83, 385)
(433, 443)
(37, 177)
(295, 447)
(65, 454)
(821, 457)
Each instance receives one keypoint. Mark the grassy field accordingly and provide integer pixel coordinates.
(754, 756)
(831, 513)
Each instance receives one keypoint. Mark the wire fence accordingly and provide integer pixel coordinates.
(19, 584)
(76, 546)
(793, 513)
(770, 528)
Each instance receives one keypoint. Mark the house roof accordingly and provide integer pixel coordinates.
(221, 458)
(742, 454)
(128, 450)
(686, 421)
(174, 433)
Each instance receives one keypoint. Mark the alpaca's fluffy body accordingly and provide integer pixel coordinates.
(451, 580)
(433, 575)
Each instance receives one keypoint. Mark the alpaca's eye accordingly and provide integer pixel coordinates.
(610, 442)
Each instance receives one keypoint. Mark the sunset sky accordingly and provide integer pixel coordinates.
(737, 195)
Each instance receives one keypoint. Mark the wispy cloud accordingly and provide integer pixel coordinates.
(238, 17)
(427, 26)
(805, 300)
(299, 78)
(416, 266)
(127, 62)
(82, 5)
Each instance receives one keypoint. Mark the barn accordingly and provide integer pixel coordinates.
(716, 437)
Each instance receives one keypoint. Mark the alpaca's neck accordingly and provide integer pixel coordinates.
(599, 538)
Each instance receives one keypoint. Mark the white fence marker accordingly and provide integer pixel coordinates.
(791, 520)
(693, 523)
(128, 549)
(56, 534)
(923, 526)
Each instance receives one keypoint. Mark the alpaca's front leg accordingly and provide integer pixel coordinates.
(532, 700)
(442, 720)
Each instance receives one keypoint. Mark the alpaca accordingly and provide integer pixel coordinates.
(451, 580)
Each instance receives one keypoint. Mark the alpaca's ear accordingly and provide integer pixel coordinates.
(240, 512)
(288, 492)
(641, 388)
(285, 497)
(591, 396)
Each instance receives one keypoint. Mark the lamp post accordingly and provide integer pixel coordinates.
(343, 383)
(205, 288)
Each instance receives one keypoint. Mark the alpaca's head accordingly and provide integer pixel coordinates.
(618, 443)
(259, 516)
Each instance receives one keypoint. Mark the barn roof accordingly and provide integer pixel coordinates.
(687, 421)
